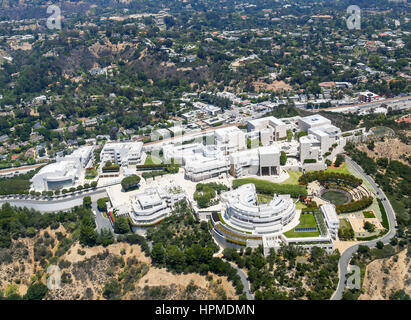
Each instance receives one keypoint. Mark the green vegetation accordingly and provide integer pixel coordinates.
(384, 217)
(307, 220)
(343, 169)
(294, 176)
(167, 169)
(270, 188)
(91, 173)
(152, 160)
(289, 135)
(280, 275)
(283, 158)
(354, 205)
(325, 176)
(263, 198)
(205, 193)
(36, 291)
(18, 184)
(87, 202)
(130, 183)
(339, 160)
(183, 244)
(121, 225)
(101, 204)
(110, 167)
(368, 214)
(345, 232)
(310, 161)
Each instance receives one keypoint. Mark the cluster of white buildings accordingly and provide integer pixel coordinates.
(65, 172)
(257, 151)
(324, 140)
(246, 223)
(122, 153)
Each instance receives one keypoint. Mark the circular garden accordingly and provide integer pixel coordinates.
(338, 188)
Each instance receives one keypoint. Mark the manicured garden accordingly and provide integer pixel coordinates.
(307, 220)
(150, 160)
(294, 176)
(368, 214)
(335, 197)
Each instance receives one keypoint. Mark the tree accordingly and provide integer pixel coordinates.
(105, 237)
(339, 160)
(88, 235)
(130, 182)
(121, 225)
(158, 253)
(369, 226)
(283, 158)
(36, 291)
(87, 202)
(112, 290)
(101, 204)
(380, 245)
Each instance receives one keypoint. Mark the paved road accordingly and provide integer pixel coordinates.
(347, 255)
(244, 280)
(54, 205)
(101, 221)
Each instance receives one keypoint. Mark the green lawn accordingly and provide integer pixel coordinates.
(307, 220)
(149, 160)
(345, 224)
(342, 169)
(263, 198)
(293, 179)
(368, 214)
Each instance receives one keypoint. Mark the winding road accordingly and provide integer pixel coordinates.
(61, 203)
(347, 254)
(244, 280)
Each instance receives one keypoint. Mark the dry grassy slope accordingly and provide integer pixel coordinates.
(389, 148)
(385, 276)
(90, 271)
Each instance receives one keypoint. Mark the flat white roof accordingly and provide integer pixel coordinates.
(329, 212)
(269, 150)
(315, 120)
(266, 120)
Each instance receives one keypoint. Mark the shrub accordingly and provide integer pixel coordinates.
(310, 160)
(101, 204)
(36, 291)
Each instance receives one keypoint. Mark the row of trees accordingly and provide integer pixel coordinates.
(354, 205)
(324, 176)
(270, 188)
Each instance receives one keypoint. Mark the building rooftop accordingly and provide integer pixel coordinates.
(329, 212)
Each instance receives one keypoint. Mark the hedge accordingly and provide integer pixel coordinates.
(355, 205)
(310, 161)
(271, 188)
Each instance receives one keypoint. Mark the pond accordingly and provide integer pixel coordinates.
(336, 197)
